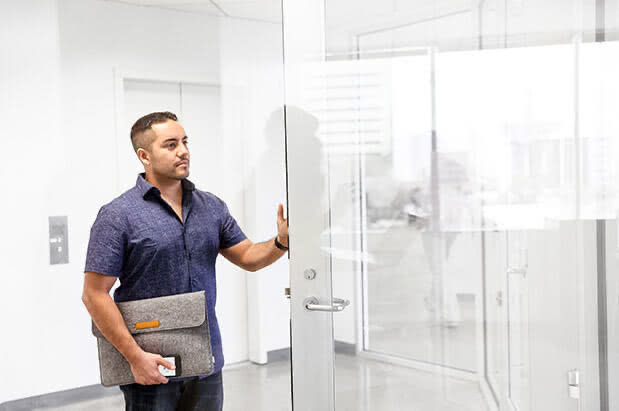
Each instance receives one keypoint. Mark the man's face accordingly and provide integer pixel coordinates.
(169, 154)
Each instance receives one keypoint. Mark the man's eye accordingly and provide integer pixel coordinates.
(171, 145)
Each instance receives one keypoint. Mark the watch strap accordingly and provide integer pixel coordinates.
(280, 245)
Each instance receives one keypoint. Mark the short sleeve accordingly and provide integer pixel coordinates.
(106, 247)
(230, 233)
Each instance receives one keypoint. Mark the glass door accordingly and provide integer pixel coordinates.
(308, 212)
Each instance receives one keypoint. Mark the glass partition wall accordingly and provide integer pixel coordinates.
(467, 157)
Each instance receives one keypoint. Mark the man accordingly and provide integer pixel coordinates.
(159, 238)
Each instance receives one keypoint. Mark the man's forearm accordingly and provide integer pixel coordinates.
(261, 255)
(108, 319)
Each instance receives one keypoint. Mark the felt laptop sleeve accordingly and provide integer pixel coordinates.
(175, 325)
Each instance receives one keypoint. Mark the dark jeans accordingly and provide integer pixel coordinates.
(205, 394)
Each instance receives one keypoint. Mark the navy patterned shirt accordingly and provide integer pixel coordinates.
(139, 238)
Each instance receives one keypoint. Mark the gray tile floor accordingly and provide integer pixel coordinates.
(361, 385)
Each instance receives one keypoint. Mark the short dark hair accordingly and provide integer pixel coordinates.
(144, 124)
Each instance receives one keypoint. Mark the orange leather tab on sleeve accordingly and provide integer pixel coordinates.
(146, 324)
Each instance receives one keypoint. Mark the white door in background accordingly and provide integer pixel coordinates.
(141, 97)
(198, 110)
(201, 118)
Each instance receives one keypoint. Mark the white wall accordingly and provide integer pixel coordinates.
(252, 91)
(57, 110)
(31, 293)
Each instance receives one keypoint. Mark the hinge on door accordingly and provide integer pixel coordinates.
(573, 383)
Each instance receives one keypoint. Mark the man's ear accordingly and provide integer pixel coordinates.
(143, 156)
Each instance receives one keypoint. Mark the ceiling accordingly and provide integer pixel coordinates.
(352, 16)
(264, 10)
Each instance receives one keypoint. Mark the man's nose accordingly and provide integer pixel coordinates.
(183, 151)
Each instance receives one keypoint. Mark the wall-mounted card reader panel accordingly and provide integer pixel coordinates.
(58, 240)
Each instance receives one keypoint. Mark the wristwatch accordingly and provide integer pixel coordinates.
(280, 245)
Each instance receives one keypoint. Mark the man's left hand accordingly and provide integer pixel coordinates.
(282, 226)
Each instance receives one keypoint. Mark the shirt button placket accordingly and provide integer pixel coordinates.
(187, 258)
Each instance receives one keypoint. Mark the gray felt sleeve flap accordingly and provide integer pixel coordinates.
(175, 325)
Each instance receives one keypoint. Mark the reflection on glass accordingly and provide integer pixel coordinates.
(476, 174)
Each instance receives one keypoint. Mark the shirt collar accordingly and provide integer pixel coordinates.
(145, 187)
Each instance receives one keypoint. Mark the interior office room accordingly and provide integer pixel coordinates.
(448, 167)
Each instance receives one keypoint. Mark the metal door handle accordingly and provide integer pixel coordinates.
(311, 304)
